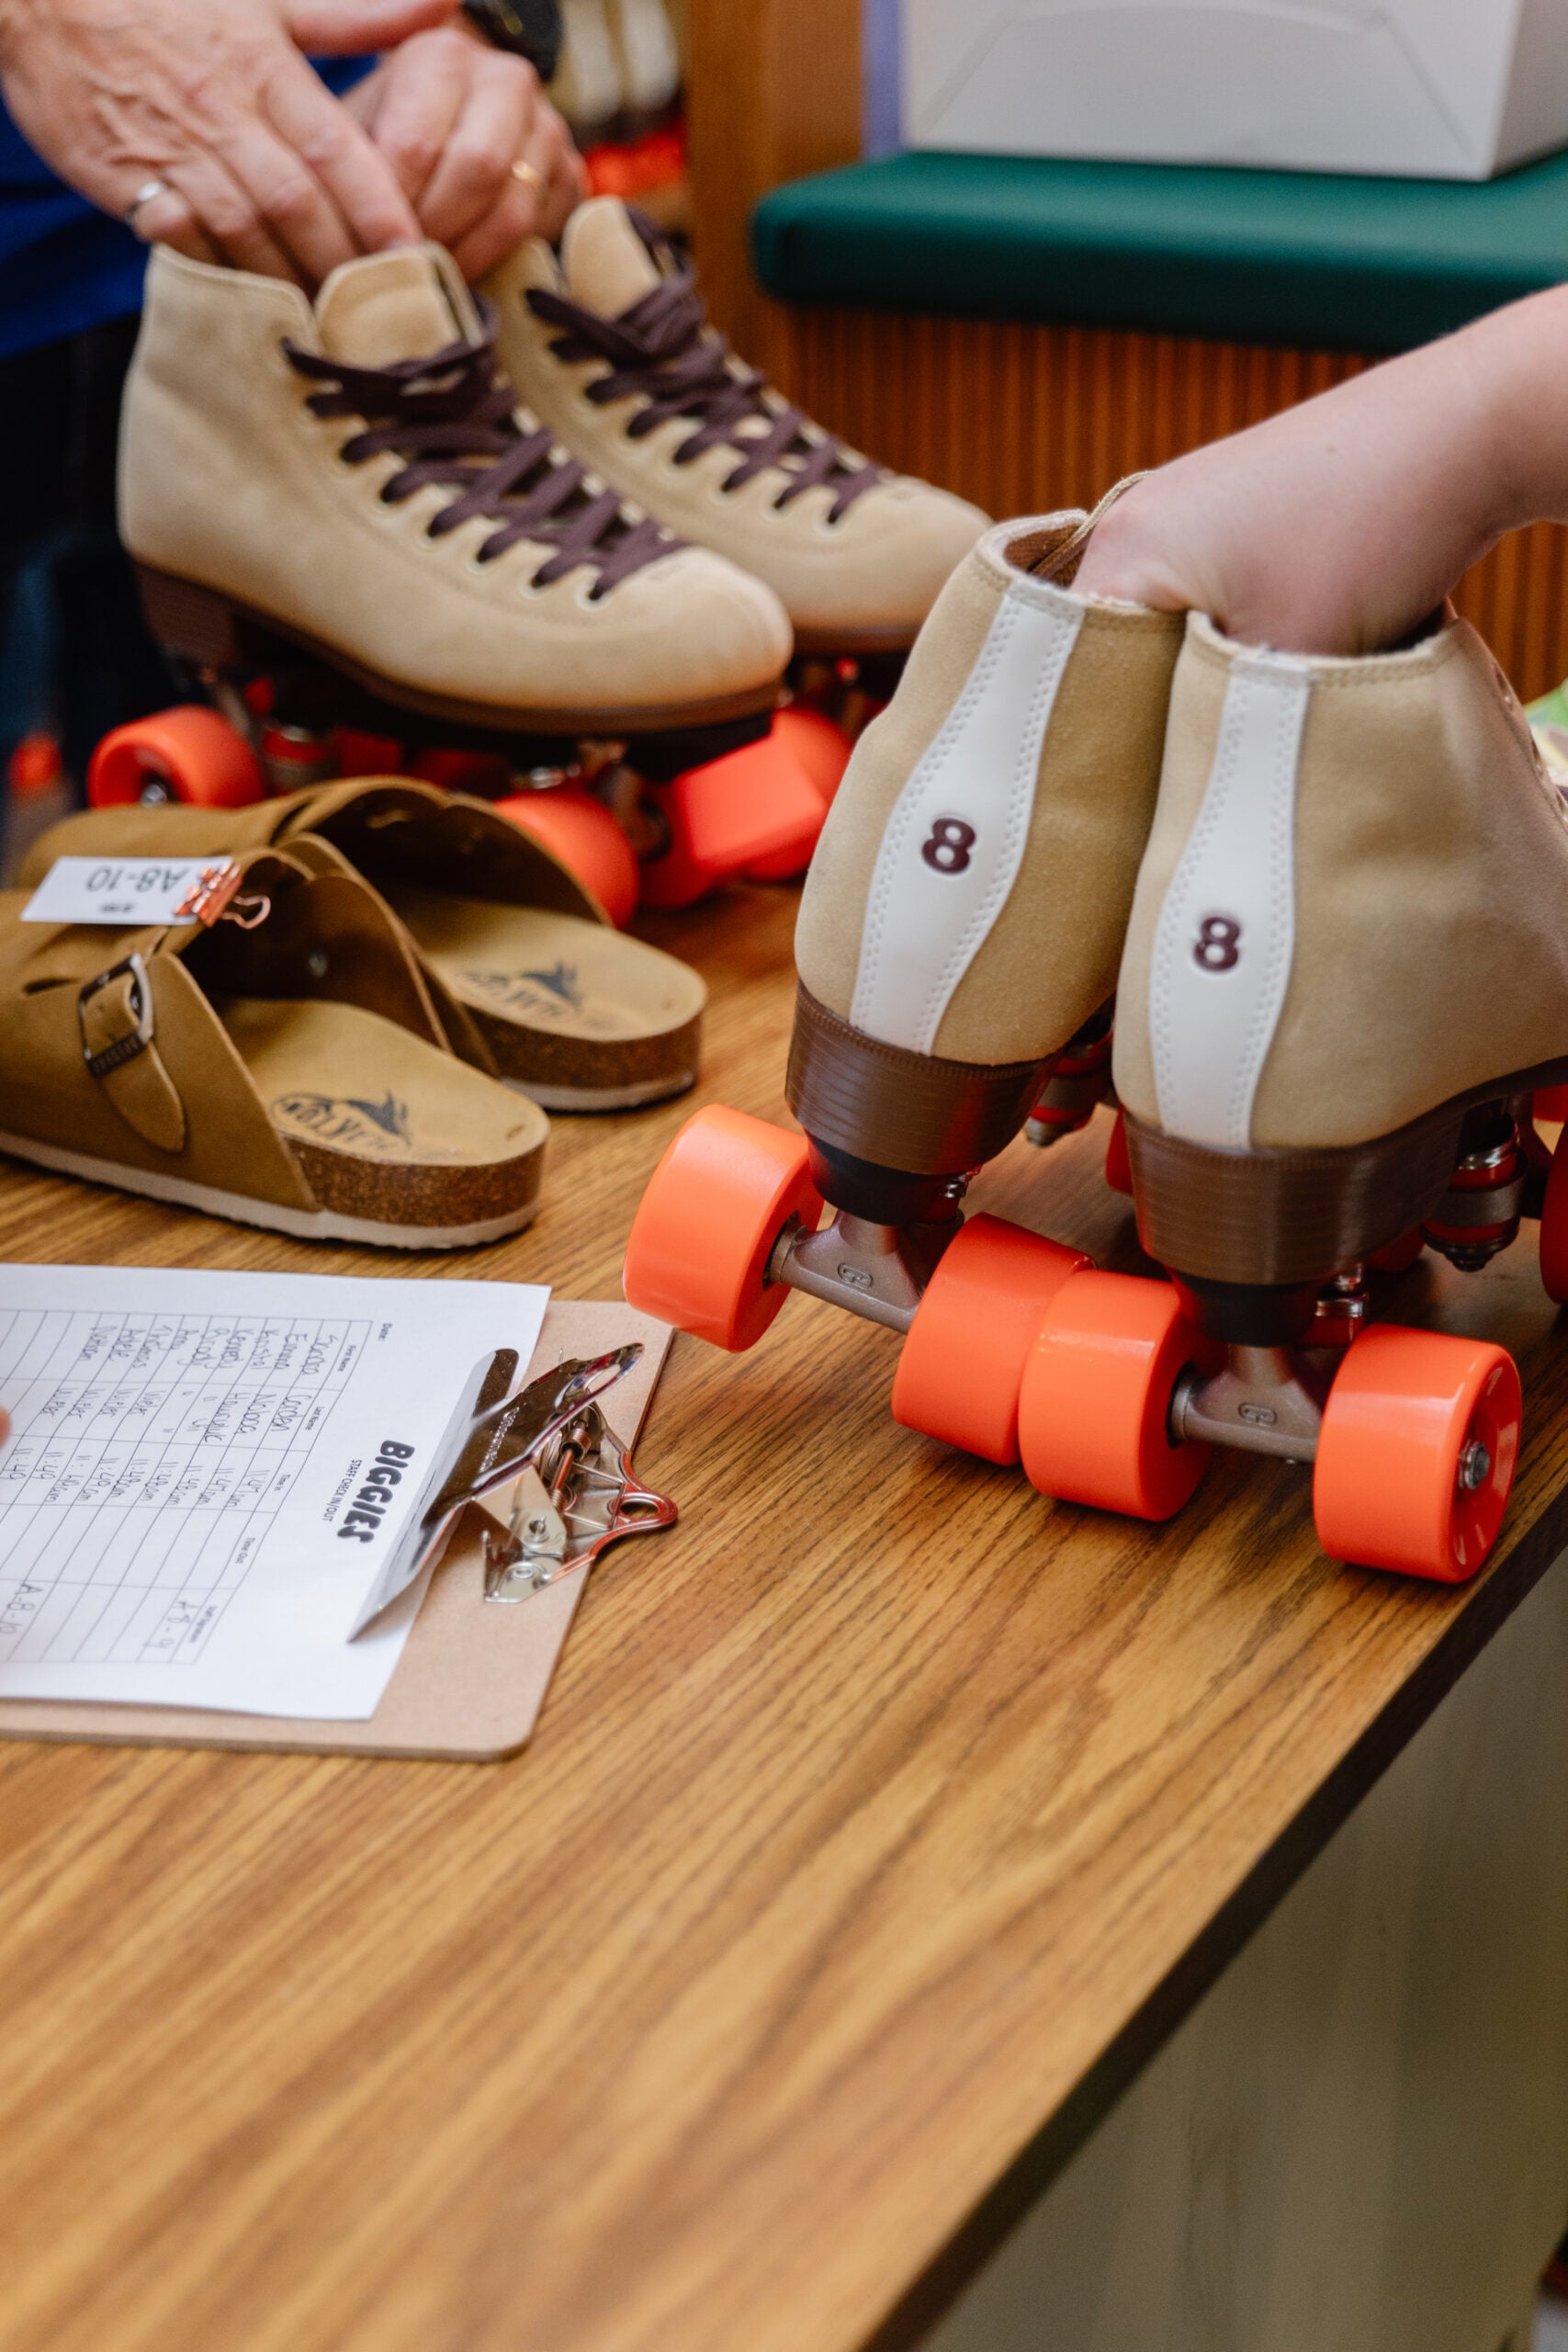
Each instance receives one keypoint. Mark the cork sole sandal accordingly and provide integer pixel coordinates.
(577, 1015)
(394, 1137)
(401, 1145)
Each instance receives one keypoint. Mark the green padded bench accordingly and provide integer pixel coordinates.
(1284, 257)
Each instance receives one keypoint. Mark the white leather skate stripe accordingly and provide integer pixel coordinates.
(924, 926)
(1226, 932)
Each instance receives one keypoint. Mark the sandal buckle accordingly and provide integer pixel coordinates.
(136, 1041)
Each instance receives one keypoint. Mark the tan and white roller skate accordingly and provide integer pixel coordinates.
(1345, 979)
(962, 925)
(610, 347)
(352, 479)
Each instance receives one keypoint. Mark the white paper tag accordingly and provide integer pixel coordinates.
(121, 889)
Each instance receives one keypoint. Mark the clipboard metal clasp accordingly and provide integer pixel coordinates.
(577, 1491)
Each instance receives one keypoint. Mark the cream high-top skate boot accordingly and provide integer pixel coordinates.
(353, 476)
(610, 348)
(1345, 974)
(1351, 930)
(961, 922)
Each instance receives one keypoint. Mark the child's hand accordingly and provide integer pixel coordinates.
(1339, 525)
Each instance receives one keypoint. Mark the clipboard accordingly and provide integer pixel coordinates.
(472, 1678)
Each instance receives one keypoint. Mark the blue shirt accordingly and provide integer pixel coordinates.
(63, 265)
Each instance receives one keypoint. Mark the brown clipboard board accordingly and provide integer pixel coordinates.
(473, 1675)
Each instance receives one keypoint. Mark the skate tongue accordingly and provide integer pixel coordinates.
(607, 265)
(400, 305)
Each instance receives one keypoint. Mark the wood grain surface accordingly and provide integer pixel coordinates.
(882, 1820)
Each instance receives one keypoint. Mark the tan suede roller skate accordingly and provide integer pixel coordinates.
(352, 477)
(1344, 978)
(609, 346)
(962, 925)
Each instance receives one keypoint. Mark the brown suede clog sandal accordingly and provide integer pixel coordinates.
(281, 1062)
(560, 1004)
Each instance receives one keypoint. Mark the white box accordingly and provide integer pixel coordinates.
(1441, 89)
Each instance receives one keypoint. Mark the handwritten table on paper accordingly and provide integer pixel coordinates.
(180, 1436)
(207, 1473)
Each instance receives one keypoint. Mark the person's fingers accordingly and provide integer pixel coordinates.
(537, 203)
(341, 195)
(568, 185)
(5, 1427)
(543, 212)
(424, 88)
(473, 178)
(284, 198)
(167, 219)
(515, 215)
(225, 213)
(356, 28)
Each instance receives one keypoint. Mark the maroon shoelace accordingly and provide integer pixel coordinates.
(451, 419)
(662, 349)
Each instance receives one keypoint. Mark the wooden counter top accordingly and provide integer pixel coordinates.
(882, 1820)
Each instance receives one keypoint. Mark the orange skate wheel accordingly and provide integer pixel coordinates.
(1554, 1225)
(702, 1237)
(185, 754)
(746, 808)
(581, 832)
(803, 736)
(1118, 1164)
(1416, 1452)
(959, 1374)
(1094, 1409)
(818, 742)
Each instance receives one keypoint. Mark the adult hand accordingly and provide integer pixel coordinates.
(265, 169)
(453, 116)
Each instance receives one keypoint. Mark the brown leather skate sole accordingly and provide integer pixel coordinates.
(208, 627)
(898, 1109)
(1286, 1216)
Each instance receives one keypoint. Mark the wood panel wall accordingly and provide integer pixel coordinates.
(1021, 418)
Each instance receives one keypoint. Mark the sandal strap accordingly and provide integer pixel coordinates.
(117, 1015)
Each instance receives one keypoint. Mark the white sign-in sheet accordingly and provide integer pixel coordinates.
(205, 1471)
